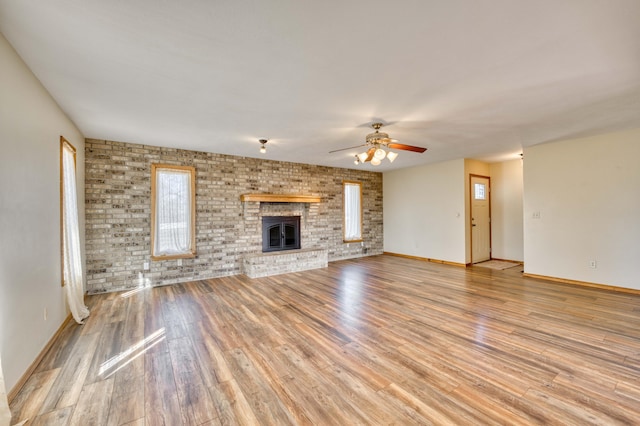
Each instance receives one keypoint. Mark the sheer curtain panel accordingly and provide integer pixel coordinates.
(72, 260)
(5, 413)
(172, 232)
(173, 211)
(352, 211)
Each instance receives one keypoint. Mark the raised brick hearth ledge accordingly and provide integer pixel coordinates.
(266, 264)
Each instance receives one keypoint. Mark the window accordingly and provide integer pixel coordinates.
(352, 203)
(479, 191)
(173, 212)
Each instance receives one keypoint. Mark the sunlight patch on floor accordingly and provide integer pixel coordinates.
(143, 283)
(110, 366)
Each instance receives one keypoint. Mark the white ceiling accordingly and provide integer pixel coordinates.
(464, 78)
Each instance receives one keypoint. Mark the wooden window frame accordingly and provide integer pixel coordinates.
(345, 183)
(155, 168)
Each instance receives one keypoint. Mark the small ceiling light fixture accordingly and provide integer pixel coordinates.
(392, 156)
(356, 161)
(363, 156)
(263, 148)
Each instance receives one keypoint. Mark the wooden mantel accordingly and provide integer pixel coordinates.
(280, 198)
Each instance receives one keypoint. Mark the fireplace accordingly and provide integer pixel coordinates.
(280, 233)
(284, 219)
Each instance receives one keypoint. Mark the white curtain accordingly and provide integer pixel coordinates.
(73, 280)
(352, 224)
(5, 413)
(173, 212)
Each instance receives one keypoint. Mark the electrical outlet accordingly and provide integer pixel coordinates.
(179, 262)
(593, 264)
(145, 266)
(536, 215)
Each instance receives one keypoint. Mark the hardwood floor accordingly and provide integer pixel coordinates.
(380, 340)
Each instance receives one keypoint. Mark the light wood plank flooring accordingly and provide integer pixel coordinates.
(381, 340)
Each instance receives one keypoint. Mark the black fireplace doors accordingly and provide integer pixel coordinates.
(280, 233)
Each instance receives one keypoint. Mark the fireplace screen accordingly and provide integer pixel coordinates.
(280, 233)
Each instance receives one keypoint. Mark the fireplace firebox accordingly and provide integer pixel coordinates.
(280, 233)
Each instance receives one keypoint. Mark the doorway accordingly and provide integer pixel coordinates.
(480, 188)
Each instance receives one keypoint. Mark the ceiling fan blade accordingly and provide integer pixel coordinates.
(406, 147)
(344, 149)
(370, 154)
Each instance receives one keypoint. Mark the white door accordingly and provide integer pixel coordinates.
(480, 219)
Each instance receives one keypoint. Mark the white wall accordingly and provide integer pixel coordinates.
(424, 211)
(507, 241)
(31, 124)
(587, 192)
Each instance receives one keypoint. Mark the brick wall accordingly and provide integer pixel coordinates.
(118, 212)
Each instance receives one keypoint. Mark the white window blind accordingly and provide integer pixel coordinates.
(352, 211)
(173, 211)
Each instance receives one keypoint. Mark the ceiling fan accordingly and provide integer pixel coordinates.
(377, 142)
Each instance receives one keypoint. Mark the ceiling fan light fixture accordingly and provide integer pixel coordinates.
(377, 144)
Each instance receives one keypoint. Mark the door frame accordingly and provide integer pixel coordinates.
(471, 176)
